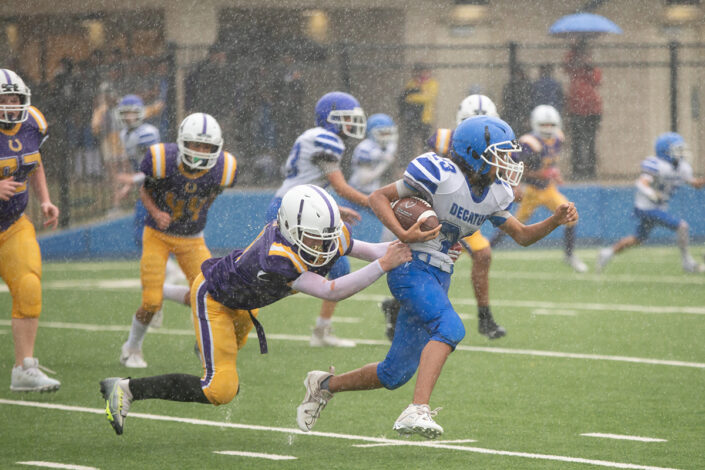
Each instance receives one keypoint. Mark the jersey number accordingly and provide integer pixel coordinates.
(185, 208)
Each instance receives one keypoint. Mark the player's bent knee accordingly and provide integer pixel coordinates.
(451, 330)
(392, 378)
(29, 296)
(222, 390)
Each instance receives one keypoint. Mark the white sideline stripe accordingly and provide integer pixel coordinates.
(546, 311)
(456, 441)
(375, 342)
(601, 278)
(35, 463)
(623, 437)
(342, 319)
(351, 437)
(255, 454)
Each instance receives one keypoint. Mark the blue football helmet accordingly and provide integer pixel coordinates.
(130, 111)
(483, 141)
(341, 113)
(381, 129)
(671, 147)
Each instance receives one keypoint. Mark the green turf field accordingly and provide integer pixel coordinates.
(596, 371)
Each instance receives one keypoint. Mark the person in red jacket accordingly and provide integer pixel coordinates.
(584, 109)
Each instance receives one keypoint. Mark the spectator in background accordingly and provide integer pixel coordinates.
(583, 109)
(106, 129)
(290, 95)
(516, 101)
(546, 89)
(416, 105)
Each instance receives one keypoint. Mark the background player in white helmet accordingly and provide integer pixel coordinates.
(660, 176)
(315, 159)
(476, 244)
(541, 150)
(24, 130)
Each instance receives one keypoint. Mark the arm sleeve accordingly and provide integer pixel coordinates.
(340, 288)
(368, 251)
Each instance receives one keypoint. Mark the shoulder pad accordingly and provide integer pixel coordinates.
(36, 119)
(229, 170)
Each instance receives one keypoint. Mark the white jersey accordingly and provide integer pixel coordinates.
(440, 182)
(316, 153)
(369, 162)
(136, 142)
(665, 179)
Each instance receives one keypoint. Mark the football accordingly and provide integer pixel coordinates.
(410, 209)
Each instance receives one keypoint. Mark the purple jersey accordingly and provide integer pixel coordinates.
(261, 273)
(539, 153)
(19, 158)
(185, 195)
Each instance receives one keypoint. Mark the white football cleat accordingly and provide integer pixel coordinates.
(323, 336)
(603, 257)
(29, 377)
(418, 419)
(692, 266)
(576, 263)
(314, 401)
(132, 359)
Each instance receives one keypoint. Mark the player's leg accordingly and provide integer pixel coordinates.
(644, 226)
(155, 251)
(479, 248)
(21, 268)
(322, 334)
(552, 199)
(190, 253)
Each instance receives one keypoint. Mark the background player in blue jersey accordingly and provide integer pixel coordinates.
(136, 137)
(660, 177)
(465, 191)
(23, 130)
(293, 254)
(182, 181)
(315, 159)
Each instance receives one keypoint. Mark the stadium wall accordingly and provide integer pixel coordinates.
(236, 217)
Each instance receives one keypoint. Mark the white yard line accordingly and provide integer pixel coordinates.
(623, 437)
(34, 463)
(374, 342)
(351, 437)
(240, 453)
(600, 278)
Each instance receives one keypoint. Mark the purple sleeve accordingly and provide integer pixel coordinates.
(146, 165)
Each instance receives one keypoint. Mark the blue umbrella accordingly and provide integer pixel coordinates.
(583, 25)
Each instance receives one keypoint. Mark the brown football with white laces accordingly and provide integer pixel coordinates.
(408, 210)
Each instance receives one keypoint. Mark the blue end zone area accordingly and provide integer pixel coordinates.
(236, 217)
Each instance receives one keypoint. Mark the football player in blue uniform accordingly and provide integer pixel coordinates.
(473, 186)
(540, 152)
(23, 130)
(660, 176)
(182, 181)
(292, 254)
(315, 159)
(476, 244)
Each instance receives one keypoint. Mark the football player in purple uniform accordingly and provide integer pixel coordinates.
(292, 254)
(181, 182)
(23, 130)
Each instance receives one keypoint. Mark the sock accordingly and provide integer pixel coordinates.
(683, 239)
(137, 333)
(484, 313)
(174, 387)
(569, 240)
(175, 292)
(322, 322)
(324, 384)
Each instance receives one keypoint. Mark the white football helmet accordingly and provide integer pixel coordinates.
(476, 105)
(309, 213)
(12, 84)
(545, 121)
(201, 128)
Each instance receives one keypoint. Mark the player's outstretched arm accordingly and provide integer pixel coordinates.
(344, 190)
(526, 235)
(343, 287)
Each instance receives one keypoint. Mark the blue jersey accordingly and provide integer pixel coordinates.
(19, 158)
(184, 194)
(665, 178)
(262, 273)
(369, 162)
(136, 142)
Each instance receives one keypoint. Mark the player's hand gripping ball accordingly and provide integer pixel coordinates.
(410, 209)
